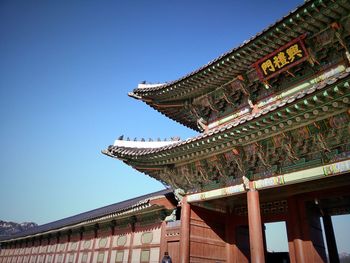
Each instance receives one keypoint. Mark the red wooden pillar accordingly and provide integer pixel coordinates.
(185, 232)
(296, 244)
(303, 233)
(163, 241)
(229, 236)
(132, 235)
(255, 229)
(330, 239)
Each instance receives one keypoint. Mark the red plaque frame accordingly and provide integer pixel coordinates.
(257, 65)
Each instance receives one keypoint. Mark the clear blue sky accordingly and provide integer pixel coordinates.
(65, 70)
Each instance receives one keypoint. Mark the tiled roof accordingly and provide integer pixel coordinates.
(308, 19)
(142, 144)
(210, 63)
(91, 215)
(116, 151)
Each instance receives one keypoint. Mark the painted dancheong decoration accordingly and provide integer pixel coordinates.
(273, 145)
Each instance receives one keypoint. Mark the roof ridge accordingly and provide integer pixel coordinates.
(252, 115)
(81, 217)
(211, 62)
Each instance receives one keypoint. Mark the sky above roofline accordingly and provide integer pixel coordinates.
(66, 68)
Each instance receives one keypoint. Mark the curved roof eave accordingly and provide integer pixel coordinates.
(127, 154)
(154, 88)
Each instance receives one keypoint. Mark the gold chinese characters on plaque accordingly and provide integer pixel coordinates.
(282, 59)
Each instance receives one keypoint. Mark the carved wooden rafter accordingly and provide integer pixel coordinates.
(234, 156)
(320, 140)
(338, 34)
(201, 107)
(233, 97)
(215, 162)
(185, 171)
(242, 85)
(201, 118)
(235, 90)
(195, 111)
(322, 39)
(249, 153)
(300, 142)
(201, 171)
(212, 104)
(261, 155)
(312, 57)
(286, 145)
(171, 176)
(168, 179)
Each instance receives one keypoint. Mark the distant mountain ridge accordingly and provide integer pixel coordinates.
(11, 228)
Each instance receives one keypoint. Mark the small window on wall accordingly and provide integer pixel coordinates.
(100, 257)
(145, 254)
(71, 258)
(62, 247)
(74, 246)
(147, 238)
(119, 257)
(102, 243)
(87, 244)
(49, 259)
(121, 241)
(60, 258)
(84, 258)
(52, 248)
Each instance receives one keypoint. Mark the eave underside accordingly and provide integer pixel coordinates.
(310, 108)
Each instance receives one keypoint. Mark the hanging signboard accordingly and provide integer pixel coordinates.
(287, 56)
